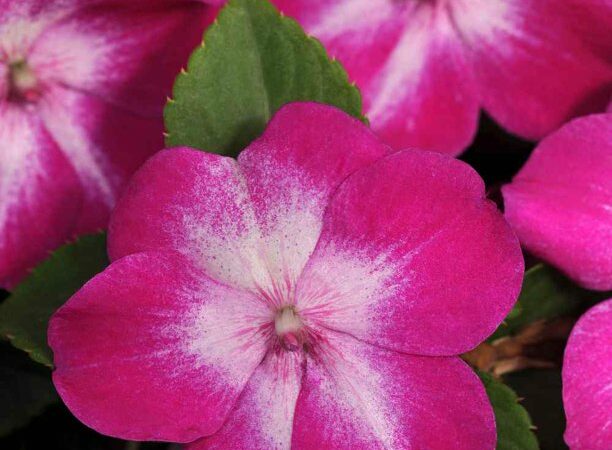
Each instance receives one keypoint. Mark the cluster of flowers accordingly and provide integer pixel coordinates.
(317, 291)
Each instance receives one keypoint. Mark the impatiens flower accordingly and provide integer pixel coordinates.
(426, 67)
(82, 87)
(587, 381)
(312, 294)
(560, 203)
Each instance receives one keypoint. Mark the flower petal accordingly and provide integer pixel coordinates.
(291, 170)
(152, 349)
(587, 377)
(251, 229)
(359, 397)
(196, 203)
(560, 203)
(40, 195)
(413, 257)
(263, 416)
(536, 61)
(418, 88)
(104, 144)
(127, 55)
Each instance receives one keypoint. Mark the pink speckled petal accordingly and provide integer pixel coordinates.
(40, 195)
(408, 62)
(263, 416)
(413, 257)
(291, 170)
(539, 62)
(152, 349)
(560, 203)
(195, 203)
(127, 54)
(359, 397)
(251, 222)
(587, 377)
(103, 143)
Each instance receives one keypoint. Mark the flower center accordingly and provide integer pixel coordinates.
(23, 83)
(289, 329)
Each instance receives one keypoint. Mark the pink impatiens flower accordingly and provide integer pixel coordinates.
(560, 203)
(426, 67)
(82, 87)
(312, 294)
(587, 381)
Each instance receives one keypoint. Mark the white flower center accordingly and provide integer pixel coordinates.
(289, 327)
(23, 83)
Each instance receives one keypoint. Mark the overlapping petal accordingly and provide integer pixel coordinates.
(263, 416)
(560, 203)
(413, 257)
(152, 349)
(307, 150)
(425, 67)
(127, 55)
(359, 397)
(587, 377)
(245, 222)
(534, 66)
(40, 194)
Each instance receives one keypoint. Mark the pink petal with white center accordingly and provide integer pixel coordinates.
(536, 61)
(408, 62)
(152, 349)
(587, 381)
(127, 55)
(359, 397)
(40, 195)
(263, 416)
(254, 230)
(413, 257)
(104, 144)
(307, 150)
(560, 203)
(196, 203)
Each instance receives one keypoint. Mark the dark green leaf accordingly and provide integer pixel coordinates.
(25, 389)
(546, 294)
(24, 316)
(541, 390)
(254, 61)
(514, 429)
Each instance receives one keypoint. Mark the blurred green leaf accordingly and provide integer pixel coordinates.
(25, 389)
(514, 428)
(24, 316)
(253, 62)
(546, 294)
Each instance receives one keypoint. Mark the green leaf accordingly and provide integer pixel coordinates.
(24, 316)
(26, 389)
(253, 62)
(546, 294)
(541, 390)
(514, 428)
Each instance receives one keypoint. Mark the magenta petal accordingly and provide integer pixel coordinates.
(127, 55)
(560, 202)
(587, 377)
(536, 61)
(359, 397)
(195, 203)
(291, 170)
(413, 257)
(40, 195)
(104, 144)
(263, 416)
(152, 349)
(418, 87)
